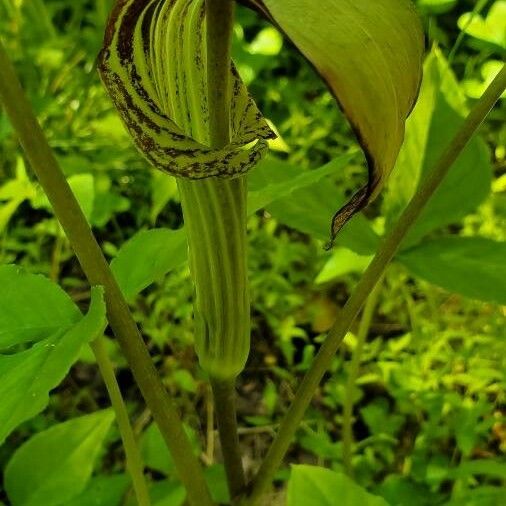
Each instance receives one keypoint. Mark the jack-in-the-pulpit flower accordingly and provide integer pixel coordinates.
(153, 64)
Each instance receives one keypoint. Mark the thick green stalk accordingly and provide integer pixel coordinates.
(96, 269)
(363, 332)
(133, 456)
(371, 277)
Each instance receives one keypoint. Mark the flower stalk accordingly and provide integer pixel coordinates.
(215, 214)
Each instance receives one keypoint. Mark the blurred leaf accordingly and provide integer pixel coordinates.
(102, 491)
(163, 189)
(154, 451)
(436, 6)
(82, 186)
(471, 266)
(317, 486)
(435, 119)
(267, 42)
(27, 377)
(493, 468)
(378, 418)
(342, 261)
(401, 491)
(481, 496)
(491, 29)
(475, 88)
(217, 482)
(13, 193)
(167, 493)
(55, 465)
(147, 257)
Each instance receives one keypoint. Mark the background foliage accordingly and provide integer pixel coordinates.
(429, 419)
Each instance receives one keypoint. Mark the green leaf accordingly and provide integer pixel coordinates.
(342, 262)
(486, 467)
(471, 266)
(148, 256)
(82, 186)
(491, 30)
(316, 486)
(310, 210)
(33, 308)
(167, 493)
(435, 120)
(27, 377)
(55, 465)
(272, 191)
(13, 193)
(102, 491)
(370, 55)
(436, 6)
(153, 65)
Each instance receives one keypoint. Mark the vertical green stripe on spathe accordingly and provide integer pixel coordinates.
(153, 64)
(215, 218)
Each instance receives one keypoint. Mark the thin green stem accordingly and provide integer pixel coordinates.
(373, 274)
(224, 400)
(96, 269)
(363, 332)
(133, 456)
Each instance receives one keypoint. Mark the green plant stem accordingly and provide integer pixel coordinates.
(224, 400)
(96, 269)
(133, 456)
(363, 332)
(372, 275)
(225, 205)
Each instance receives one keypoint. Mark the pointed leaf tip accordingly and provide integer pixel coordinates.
(370, 55)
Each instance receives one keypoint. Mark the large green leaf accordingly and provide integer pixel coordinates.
(27, 377)
(471, 266)
(370, 55)
(55, 465)
(317, 486)
(154, 66)
(435, 120)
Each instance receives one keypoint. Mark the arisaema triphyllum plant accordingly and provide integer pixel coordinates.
(167, 67)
